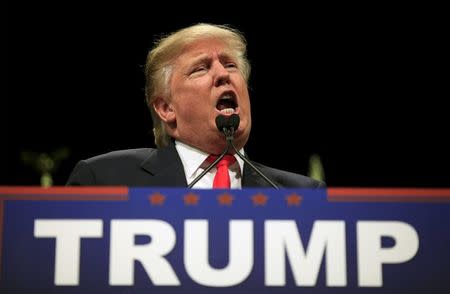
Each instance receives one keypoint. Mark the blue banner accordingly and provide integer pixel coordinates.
(147, 240)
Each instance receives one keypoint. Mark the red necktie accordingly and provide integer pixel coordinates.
(222, 178)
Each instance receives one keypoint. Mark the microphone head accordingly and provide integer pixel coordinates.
(227, 122)
(234, 121)
(221, 122)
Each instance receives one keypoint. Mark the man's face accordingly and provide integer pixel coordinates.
(205, 83)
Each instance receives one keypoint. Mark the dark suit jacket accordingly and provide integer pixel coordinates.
(163, 168)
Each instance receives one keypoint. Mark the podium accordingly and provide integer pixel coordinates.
(170, 240)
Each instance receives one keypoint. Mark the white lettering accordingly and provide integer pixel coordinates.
(240, 253)
(282, 237)
(67, 248)
(371, 255)
(124, 251)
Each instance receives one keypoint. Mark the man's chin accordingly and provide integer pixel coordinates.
(217, 144)
(212, 146)
(240, 139)
(218, 147)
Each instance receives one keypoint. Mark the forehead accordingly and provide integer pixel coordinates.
(205, 47)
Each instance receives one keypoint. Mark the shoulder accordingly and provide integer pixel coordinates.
(128, 156)
(116, 167)
(288, 179)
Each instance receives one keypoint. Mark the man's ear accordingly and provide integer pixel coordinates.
(164, 110)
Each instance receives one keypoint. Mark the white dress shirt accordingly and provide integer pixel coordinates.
(194, 162)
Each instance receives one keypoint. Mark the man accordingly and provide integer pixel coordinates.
(192, 76)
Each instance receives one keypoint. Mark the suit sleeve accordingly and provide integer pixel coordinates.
(82, 175)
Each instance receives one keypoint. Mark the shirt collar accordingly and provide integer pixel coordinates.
(192, 158)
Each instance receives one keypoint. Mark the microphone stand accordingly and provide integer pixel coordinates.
(209, 167)
(227, 125)
(229, 136)
(223, 124)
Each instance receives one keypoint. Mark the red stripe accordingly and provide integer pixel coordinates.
(16, 190)
(389, 194)
(66, 197)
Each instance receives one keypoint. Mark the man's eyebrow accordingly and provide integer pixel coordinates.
(205, 58)
(201, 59)
(226, 55)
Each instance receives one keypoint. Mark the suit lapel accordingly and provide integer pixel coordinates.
(251, 178)
(166, 167)
(167, 170)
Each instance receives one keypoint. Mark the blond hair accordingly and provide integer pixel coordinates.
(158, 67)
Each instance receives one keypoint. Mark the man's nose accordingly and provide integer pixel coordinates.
(222, 76)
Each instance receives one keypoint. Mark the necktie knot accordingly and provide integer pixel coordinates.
(227, 160)
(222, 177)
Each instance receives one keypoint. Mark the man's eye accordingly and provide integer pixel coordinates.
(198, 69)
(230, 65)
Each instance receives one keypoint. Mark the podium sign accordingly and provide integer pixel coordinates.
(151, 240)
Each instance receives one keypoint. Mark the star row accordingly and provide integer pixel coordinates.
(225, 199)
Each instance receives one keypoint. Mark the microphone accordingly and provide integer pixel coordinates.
(228, 125)
(224, 125)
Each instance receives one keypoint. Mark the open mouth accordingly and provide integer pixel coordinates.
(227, 103)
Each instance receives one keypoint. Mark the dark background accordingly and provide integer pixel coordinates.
(363, 87)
